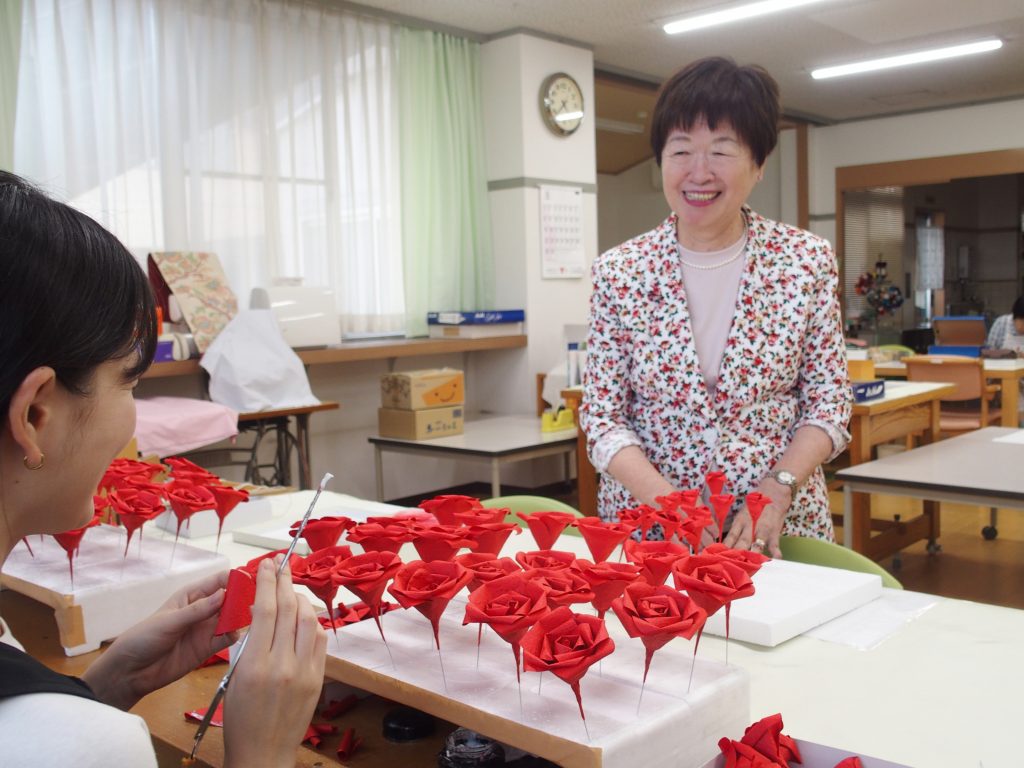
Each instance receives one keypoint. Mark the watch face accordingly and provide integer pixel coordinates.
(786, 478)
(561, 104)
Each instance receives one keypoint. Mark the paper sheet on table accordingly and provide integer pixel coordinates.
(870, 625)
(1017, 438)
(252, 368)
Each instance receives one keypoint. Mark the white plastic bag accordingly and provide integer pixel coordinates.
(252, 368)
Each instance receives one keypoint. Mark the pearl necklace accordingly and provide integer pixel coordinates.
(719, 265)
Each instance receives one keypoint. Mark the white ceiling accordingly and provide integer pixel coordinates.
(626, 36)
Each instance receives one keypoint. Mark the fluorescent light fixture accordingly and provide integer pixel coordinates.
(935, 54)
(617, 126)
(736, 13)
(567, 117)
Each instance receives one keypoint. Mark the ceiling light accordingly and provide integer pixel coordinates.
(750, 10)
(618, 126)
(935, 54)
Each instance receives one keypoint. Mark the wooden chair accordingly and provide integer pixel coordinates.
(970, 406)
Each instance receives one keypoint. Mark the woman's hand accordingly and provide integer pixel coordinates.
(769, 525)
(163, 647)
(278, 679)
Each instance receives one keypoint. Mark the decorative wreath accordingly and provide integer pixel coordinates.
(882, 297)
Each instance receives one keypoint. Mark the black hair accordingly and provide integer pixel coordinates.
(71, 295)
(717, 90)
(1018, 308)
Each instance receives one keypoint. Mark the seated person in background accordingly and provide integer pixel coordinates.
(1008, 330)
(77, 330)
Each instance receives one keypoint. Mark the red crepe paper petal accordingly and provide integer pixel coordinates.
(491, 537)
(747, 559)
(715, 482)
(601, 537)
(222, 656)
(323, 532)
(850, 762)
(712, 581)
(565, 587)
(236, 610)
(756, 502)
(697, 519)
(349, 744)
(441, 542)
(197, 715)
(722, 504)
(655, 559)
(740, 755)
(481, 516)
(546, 559)
(546, 527)
(338, 707)
(428, 587)
(639, 517)
(445, 507)
(607, 581)
(767, 738)
(315, 733)
(485, 567)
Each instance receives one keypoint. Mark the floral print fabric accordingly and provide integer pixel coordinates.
(784, 367)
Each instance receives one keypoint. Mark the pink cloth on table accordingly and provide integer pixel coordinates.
(169, 425)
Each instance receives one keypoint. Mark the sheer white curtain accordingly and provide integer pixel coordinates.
(261, 131)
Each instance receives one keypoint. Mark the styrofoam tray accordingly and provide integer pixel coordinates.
(111, 592)
(792, 598)
(204, 523)
(821, 756)
(672, 729)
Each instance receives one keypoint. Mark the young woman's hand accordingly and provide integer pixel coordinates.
(277, 682)
(162, 648)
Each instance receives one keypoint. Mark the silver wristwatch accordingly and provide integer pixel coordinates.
(787, 478)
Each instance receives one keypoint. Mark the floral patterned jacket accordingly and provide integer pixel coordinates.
(784, 367)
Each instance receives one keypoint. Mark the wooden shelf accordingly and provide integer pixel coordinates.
(355, 351)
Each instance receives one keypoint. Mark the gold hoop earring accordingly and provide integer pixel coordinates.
(42, 460)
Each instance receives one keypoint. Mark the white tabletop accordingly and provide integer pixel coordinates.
(896, 368)
(941, 691)
(898, 390)
(490, 437)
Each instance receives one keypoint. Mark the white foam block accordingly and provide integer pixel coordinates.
(111, 592)
(672, 729)
(204, 523)
(792, 598)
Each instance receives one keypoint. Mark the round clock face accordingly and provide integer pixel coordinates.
(561, 104)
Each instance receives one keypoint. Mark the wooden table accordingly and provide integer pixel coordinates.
(497, 441)
(974, 468)
(586, 475)
(907, 408)
(1007, 372)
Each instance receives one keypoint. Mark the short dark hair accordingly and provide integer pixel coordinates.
(717, 90)
(1018, 307)
(71, 295)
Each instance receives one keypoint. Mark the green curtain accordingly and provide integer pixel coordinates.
(446, 237)
(10, 45)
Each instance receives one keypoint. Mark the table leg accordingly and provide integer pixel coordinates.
(848, 524)
(302, 439)
(495, 479)
(1011, 400)
(859, 506)
(378, 464)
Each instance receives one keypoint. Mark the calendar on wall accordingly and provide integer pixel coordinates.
(561, 232)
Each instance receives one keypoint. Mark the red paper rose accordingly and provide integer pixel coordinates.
(485, 567)
(480, 516)
(739, 755)
(657, 615)
(565, 586)
(756, 502)
(715, 482)
(227, 498)
(509, 605)
(606, 580)
(601, 537)
(322, 532)
(186, 500)
(721, 503)
(491, 537)
(655, 559)
(120, 470)
(445, 506)
(638, 517)
(135, 508)
(746, 559)
(697, 519)
(566, 644)
(365, 576)
(71, 540)
(546, 559)
(712, 581)
(316, 573)
(428, 587)
(382, 536)
(668, 516)
(766, 737)
(851, 762)
(441, 542)
(546, 527)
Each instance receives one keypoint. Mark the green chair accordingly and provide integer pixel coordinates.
(818, 552)
(899, 349)
(531, 504)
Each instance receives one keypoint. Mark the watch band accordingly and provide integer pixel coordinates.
(787, 478)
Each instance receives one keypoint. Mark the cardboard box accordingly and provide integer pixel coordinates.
(420, 425)
(416, 390)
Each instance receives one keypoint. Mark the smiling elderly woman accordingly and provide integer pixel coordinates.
(715, 339)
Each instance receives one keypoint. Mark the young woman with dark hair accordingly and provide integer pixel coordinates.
(77, 330)
(715, 339)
